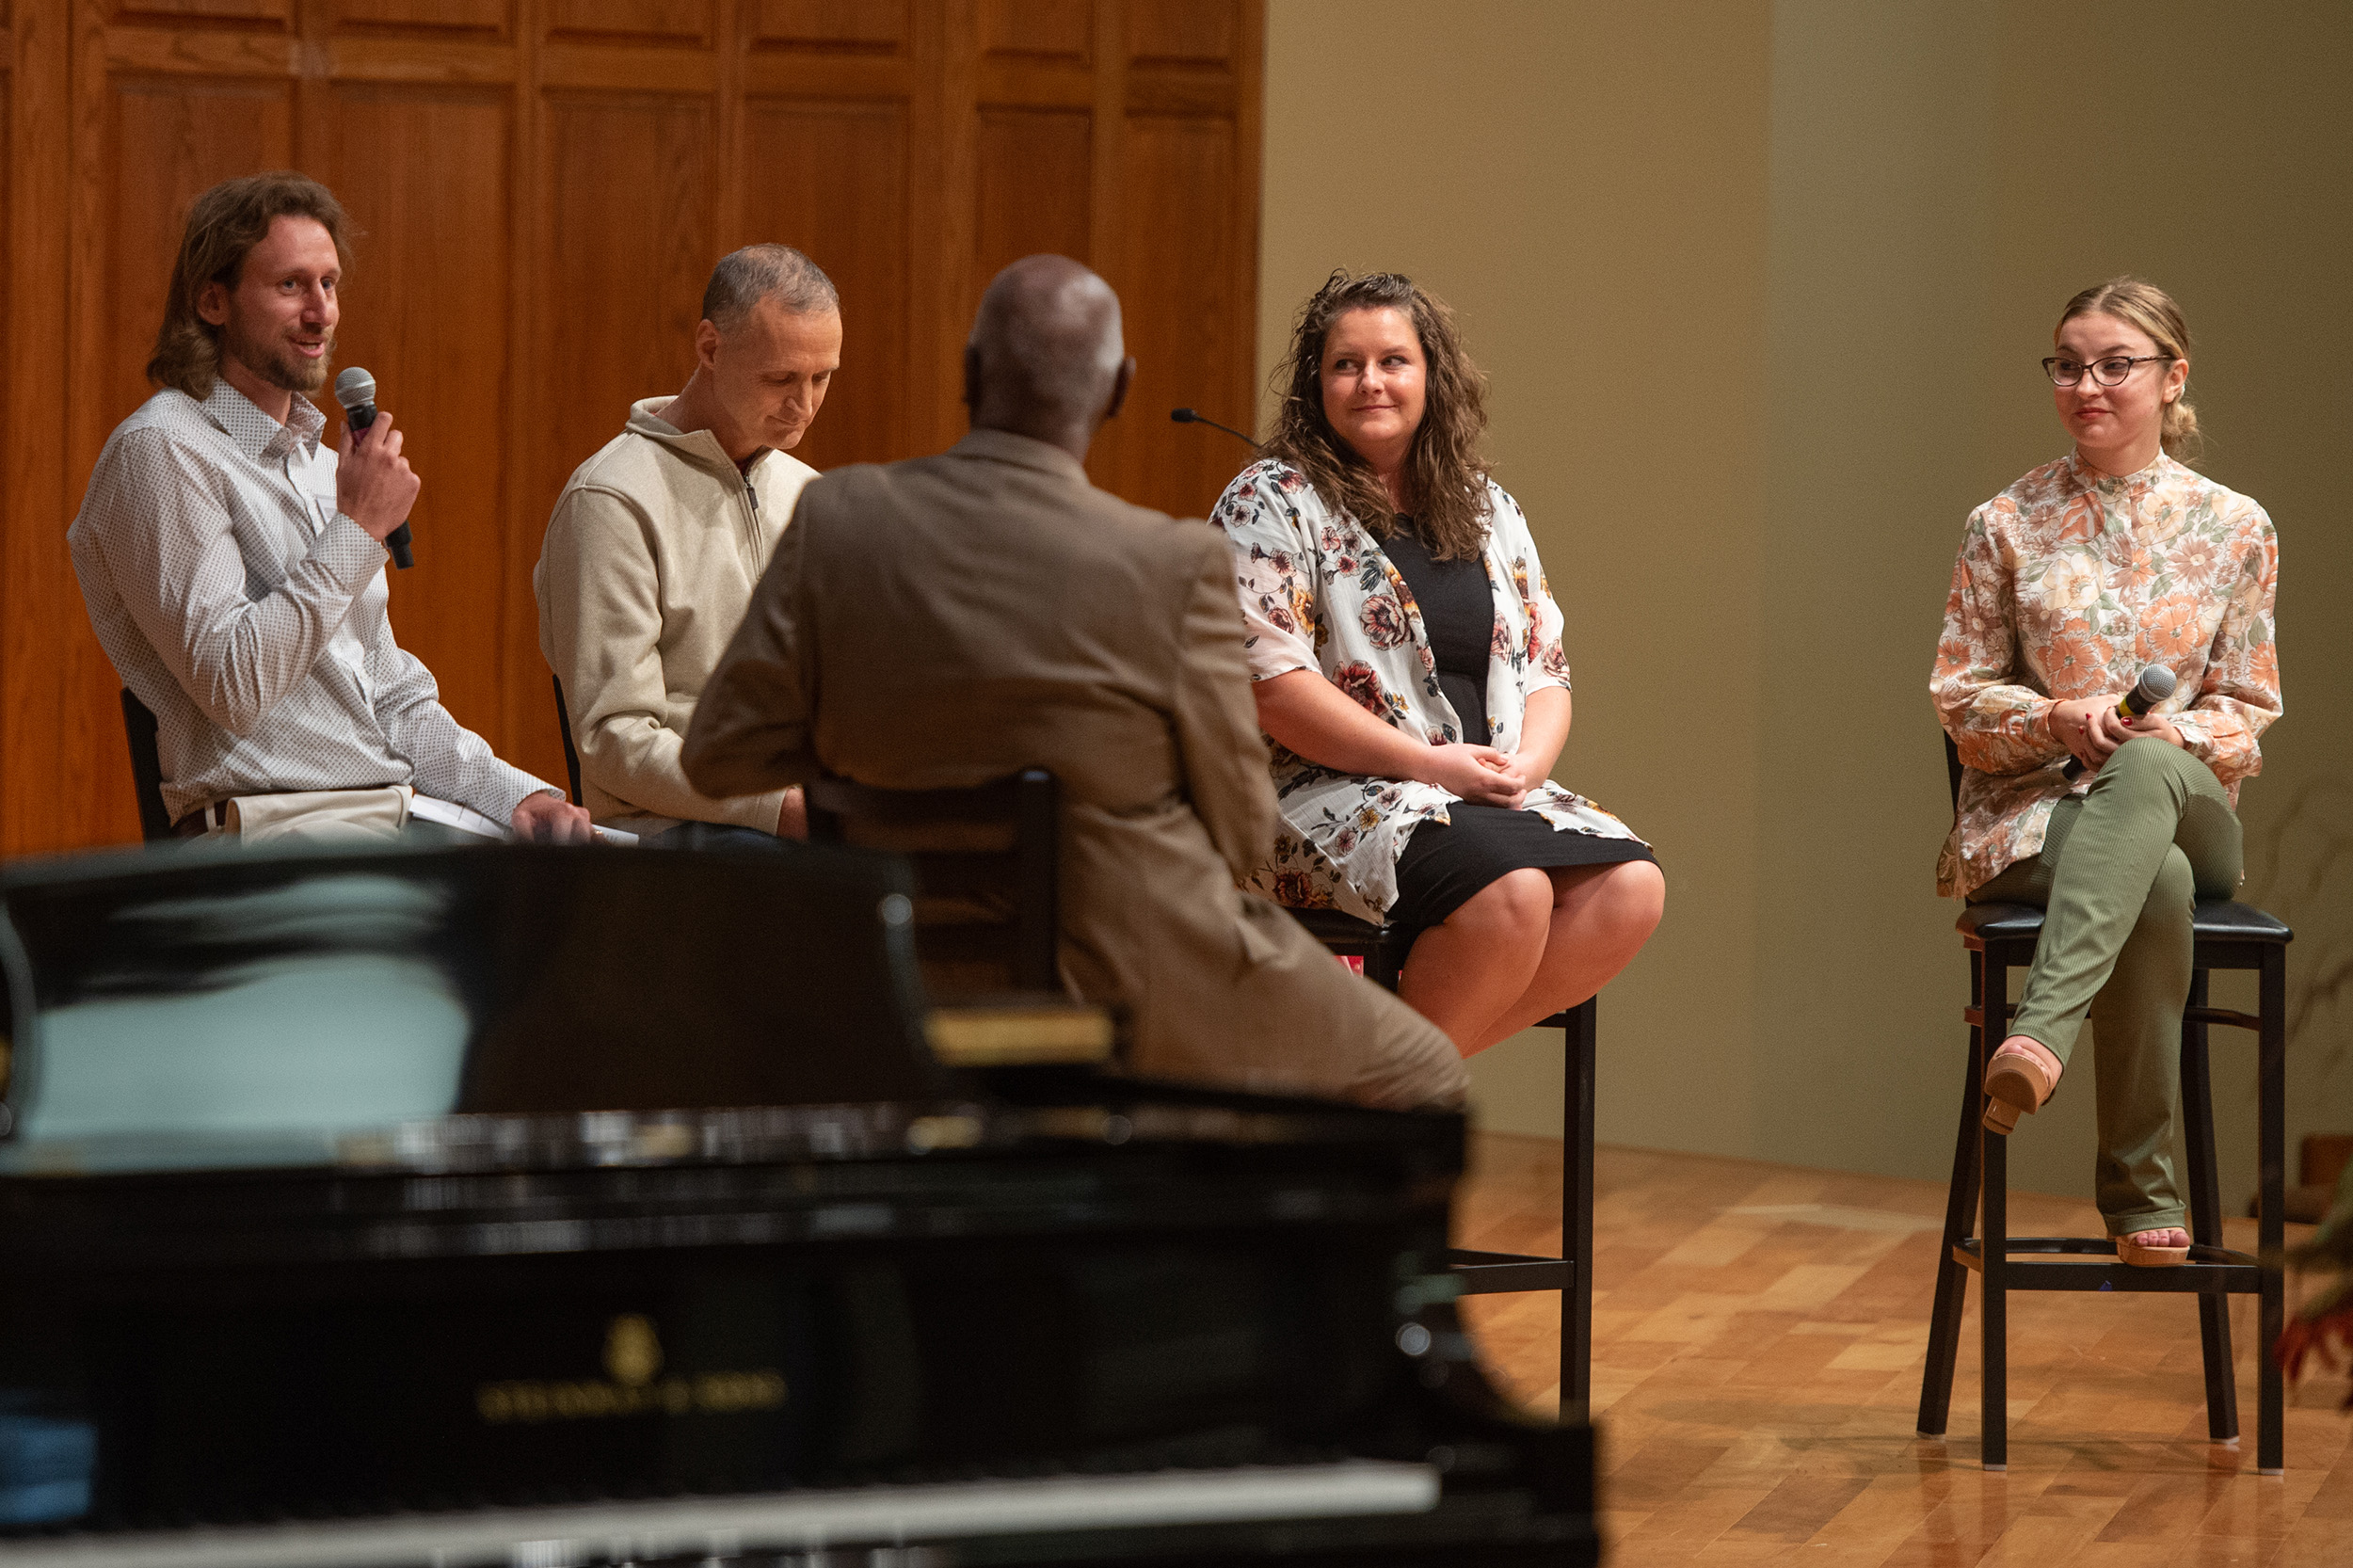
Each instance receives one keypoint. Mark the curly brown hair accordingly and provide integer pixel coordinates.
(224, 225)
(1445, 479)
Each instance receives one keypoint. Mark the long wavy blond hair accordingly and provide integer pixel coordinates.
(224, 225)
(1445, 479)
(2144, 305)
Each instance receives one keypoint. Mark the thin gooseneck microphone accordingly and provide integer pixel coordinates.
(2156, 684)
(1186, 416)
(354, 388)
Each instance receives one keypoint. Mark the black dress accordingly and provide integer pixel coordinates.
(1444, 864)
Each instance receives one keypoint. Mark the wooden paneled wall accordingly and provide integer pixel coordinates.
(542, 187)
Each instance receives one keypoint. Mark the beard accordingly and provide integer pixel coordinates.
(274, 359)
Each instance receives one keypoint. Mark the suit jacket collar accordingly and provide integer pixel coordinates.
(1003, 446)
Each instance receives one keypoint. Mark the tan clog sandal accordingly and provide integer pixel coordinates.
(2016, 1084)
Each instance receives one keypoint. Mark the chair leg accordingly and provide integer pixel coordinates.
(2270, 1446)
(2205, 1221)
(1994, 1241)
(1577, 1215)
(1961, 1203)
(1993, 1307)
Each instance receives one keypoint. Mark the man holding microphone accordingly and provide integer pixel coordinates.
(233, 566)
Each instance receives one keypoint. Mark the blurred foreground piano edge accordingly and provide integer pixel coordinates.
(534, 1207)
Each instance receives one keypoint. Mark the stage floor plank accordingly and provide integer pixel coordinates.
(1758, 1333)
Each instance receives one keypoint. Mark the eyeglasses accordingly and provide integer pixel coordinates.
(2110, 372)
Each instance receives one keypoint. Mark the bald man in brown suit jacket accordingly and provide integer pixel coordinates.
(946, 621)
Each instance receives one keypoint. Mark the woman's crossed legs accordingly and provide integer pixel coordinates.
(2120, 868)
(1530, 944)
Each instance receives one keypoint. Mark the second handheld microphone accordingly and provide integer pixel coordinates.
(354, 388)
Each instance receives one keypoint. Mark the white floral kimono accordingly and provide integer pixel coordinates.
(1317, 593)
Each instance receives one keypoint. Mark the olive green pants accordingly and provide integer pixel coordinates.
(2120, 866)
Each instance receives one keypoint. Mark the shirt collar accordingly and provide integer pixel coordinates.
(256, 434)
(2091, 478)
(1023, 451)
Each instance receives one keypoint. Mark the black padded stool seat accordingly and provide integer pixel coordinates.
(1381, 951)
(2228, 935)
(2215, 920)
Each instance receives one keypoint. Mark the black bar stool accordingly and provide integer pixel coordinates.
(2000, 938)
(1381, 951)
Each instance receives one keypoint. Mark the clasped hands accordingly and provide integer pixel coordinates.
(1482, 774)
(2091, 729)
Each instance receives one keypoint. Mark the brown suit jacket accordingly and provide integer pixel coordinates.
(949, 620)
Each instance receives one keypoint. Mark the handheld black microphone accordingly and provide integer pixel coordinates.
(354, 388)
(2156, 684)
(1186, 416)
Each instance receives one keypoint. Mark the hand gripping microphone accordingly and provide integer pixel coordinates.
(354, 388)
(2156, 684)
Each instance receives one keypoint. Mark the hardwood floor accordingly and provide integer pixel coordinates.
(1758, 1333)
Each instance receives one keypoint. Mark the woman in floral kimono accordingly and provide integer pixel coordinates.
(1406, 654)
(2070, 582)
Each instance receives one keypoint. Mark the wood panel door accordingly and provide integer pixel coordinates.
(540, 189)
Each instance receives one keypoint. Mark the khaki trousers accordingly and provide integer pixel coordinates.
(2120, 870)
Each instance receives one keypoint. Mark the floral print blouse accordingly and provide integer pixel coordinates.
(1319, 594)
(2069, 583)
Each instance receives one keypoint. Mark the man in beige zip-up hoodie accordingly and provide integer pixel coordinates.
(657, 541)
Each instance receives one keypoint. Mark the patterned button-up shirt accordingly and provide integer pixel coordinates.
(1319, 594)
(250, 616)
(2070, 582)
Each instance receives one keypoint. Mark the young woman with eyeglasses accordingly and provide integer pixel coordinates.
(2070, 583)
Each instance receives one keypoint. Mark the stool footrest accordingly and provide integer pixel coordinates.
(2090, 1263)
(2231, 1016)
(1496, 1273)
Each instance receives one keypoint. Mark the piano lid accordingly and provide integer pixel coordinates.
(230, 1009)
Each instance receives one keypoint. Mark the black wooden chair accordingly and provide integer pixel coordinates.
(147, 771)
(2001, 938)
(1380, 951)
(986, 865)
(571, 754)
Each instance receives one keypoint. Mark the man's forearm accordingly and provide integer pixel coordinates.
(639, 761)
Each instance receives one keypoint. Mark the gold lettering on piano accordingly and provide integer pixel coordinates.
(632, 1358)
(704, 1394)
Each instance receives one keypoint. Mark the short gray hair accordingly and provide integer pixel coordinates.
(744, 278)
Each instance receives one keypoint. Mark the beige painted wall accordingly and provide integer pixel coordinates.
(1586, 186)
(1760, 287)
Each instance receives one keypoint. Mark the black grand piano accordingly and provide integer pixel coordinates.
(537, 1207)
